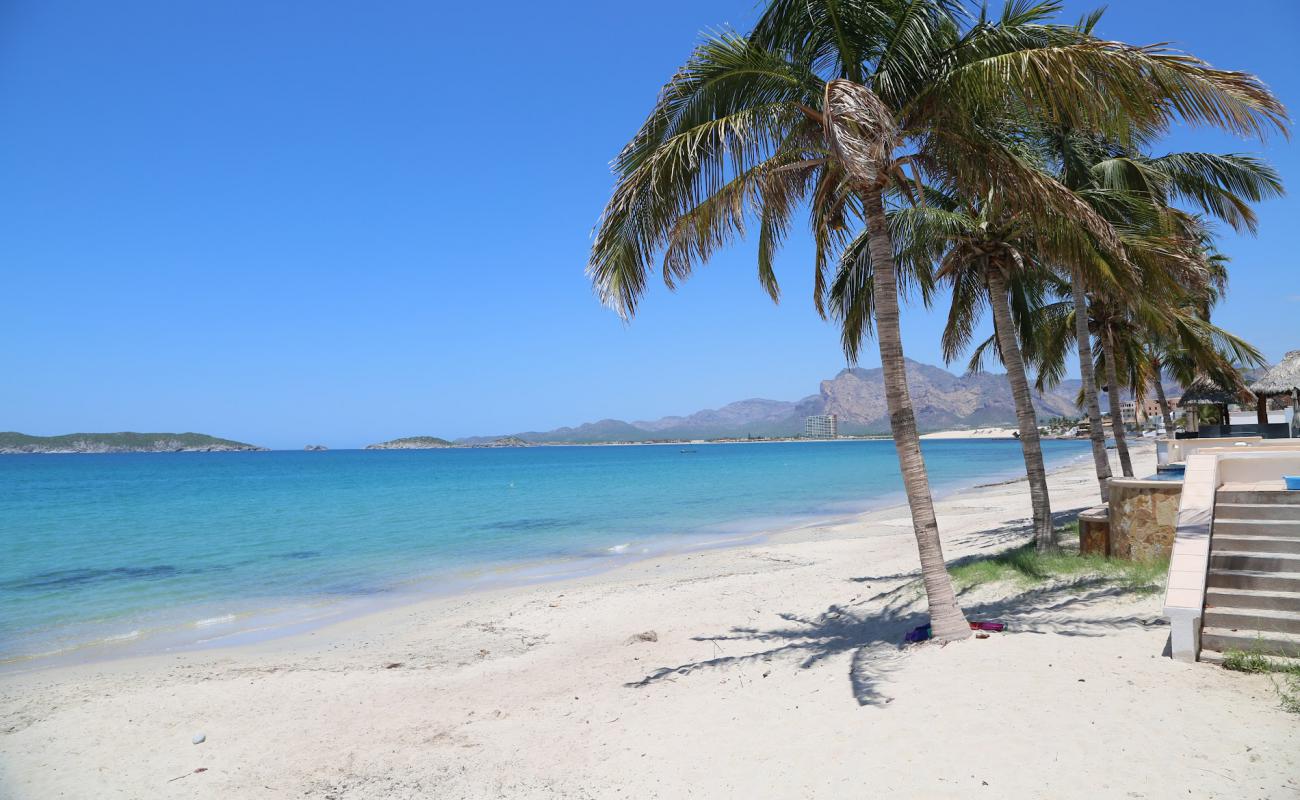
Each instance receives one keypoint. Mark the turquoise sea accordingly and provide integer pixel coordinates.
(105, 555)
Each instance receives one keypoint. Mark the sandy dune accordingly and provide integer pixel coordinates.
(774, 672)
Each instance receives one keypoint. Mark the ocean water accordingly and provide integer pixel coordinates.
(111, 554)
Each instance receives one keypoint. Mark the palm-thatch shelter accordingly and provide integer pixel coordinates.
(1283, 380)
(1205, 392)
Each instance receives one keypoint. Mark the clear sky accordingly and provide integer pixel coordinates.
(342, 222)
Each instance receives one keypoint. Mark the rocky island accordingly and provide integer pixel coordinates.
(412, 443)
(436, 443)
(126, 442)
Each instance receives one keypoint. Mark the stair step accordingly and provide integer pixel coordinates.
(1254, 543)
(1259, 620)
(1258, 527)
(1278, 662)
(1273, 644)
(1257, 510)
(1267, 562)
(1216, 597)
(1283, 498)
(1253, 580)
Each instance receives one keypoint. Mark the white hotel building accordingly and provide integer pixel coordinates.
(821, 426)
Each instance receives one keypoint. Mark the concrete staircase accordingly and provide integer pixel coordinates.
(1252, 594)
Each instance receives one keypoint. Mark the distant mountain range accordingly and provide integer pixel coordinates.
(856, 396)
(941, 400)
(13, 443)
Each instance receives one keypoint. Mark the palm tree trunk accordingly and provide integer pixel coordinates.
(1162, 400)
(1090, 400)
(1004, 328)
(1116, 415)
(947, 623)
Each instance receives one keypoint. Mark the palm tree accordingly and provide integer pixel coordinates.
(1161, 321)
(1121, 182)
(828, 102)
(982, 253)
(1108, 316)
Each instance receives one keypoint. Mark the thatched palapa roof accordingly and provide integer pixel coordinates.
(1207, 393)
(1281, 379)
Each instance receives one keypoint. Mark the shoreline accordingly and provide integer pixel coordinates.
(295, 616)
(824, 527)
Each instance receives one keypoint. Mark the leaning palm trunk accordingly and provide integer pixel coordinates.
(1004, 328)
(947, 623)
(1116, 413)
(1090, 400)
(1165, 413)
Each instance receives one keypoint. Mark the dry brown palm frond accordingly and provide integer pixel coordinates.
(860, 130)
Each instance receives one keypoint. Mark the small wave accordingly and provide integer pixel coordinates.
(203, 623)
(121, 637)
(618, 549)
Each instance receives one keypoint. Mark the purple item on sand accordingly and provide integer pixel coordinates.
(918, 634)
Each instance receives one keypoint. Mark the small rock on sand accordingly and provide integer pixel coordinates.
(644, 636)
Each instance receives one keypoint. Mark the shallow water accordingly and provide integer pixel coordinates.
(166, 550)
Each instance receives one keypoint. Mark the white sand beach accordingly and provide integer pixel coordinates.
(768, 670)
(973, 433)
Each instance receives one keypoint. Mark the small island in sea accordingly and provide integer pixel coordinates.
(412, 443)
(436, 443)
(12, 442)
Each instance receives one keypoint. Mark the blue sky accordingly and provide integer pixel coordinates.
(344, 222)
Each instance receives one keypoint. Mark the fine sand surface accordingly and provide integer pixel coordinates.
(774, 671)
(973, 433)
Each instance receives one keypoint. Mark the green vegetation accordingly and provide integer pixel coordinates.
(125, 442)
(1285, 677)
(1025, 566)
(1241, 661)
(412, 443)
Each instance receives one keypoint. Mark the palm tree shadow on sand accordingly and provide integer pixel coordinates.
(871, 630)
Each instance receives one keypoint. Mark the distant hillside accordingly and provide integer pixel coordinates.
(412, 443)
(127, 442)
(857, 396)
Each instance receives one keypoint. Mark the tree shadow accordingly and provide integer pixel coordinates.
(871, 630)
(1016, 532)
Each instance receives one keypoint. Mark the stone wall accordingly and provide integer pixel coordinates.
(1094, 531)
(1143, 516)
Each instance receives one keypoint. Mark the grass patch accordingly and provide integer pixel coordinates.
(1286, 677)
(1241, 661)
(1288, 691)
(1026, 567)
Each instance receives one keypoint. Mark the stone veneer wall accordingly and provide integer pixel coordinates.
(1094, 531)
(1143, 517)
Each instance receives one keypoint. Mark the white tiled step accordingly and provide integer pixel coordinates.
(1278, 662)
(1277, 498)
(1289, 528)
(1268, 562)
(1255, 543)
(1261, 620)
(1216, 597)
(1273, 644)
(1253, 579)
(1257, 511)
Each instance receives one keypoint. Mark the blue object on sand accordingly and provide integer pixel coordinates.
(918, 634)
(1292, 482)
